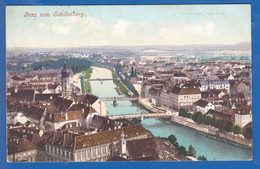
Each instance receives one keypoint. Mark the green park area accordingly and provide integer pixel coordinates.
(121, 87)
(85, 86)
(88, 73)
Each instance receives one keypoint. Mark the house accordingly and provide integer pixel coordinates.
(62, 146)
(242, 87)
(177, 97)
(52, 89)
(20, 150)
(213, 96)
(227, 114)
(156, 100)
(145, 89)
(203, 106)
(215, 85)
(243, 116)
(16, 80)
(152, 92)
(34, 135)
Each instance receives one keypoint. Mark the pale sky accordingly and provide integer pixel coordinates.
(128, 25)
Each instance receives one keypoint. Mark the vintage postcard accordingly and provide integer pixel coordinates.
(128, 83)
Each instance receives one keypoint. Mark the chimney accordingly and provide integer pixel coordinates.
(40, 133)
(15, 89)
(66, 116)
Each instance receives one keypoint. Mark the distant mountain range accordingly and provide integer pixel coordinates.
(238, 46)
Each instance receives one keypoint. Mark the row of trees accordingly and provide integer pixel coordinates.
(76, 64)
(222, 125)
(182, 150)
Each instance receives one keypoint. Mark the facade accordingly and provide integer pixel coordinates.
(203, 106)
(215, 85)
(177, 98)
(227, 114)
(244, 116)
(92, 147)
(21, 150)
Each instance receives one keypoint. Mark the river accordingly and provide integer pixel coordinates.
(211, 148)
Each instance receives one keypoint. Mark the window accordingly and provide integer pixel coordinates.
(83, 155)
(89, 152)
(99, 149)
(78, 155)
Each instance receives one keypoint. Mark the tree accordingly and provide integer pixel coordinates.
(173, 140)
(248, 133)
(183, 112)
(228, 127)
(203, 119)
(132, 72)
(223, 124)
(182, 150)
(237, 130)
(136, 121)
(189, 115)
(207, 120)
(191, 151)
(202, 158)
(218, 123)
(213, 121)
(197, 117)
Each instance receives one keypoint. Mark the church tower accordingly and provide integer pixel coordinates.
(65, 81)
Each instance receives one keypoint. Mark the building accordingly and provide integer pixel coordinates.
(227, 114)
(243, 116)
(215, 85)
(21, 150)
(65, 81)
(92, 147)
(176, 97)
(203, 106)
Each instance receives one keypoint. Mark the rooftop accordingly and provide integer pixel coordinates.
(109, 136)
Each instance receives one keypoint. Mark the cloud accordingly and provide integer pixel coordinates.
(61, 29)
(41, 25)
(120, 28)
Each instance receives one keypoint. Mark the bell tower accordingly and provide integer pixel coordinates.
(65, 81)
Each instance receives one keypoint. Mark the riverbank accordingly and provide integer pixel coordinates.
(77, 81)
(212, 132)
(209, 146)
(208, 130)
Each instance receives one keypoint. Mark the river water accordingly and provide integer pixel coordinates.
(211, 148)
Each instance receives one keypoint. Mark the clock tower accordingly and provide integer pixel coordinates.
(65, 81)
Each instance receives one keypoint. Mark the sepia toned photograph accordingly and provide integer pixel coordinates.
(106, 83)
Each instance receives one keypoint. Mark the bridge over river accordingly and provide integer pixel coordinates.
(131, 116)
(101, 79)
(118, 98)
